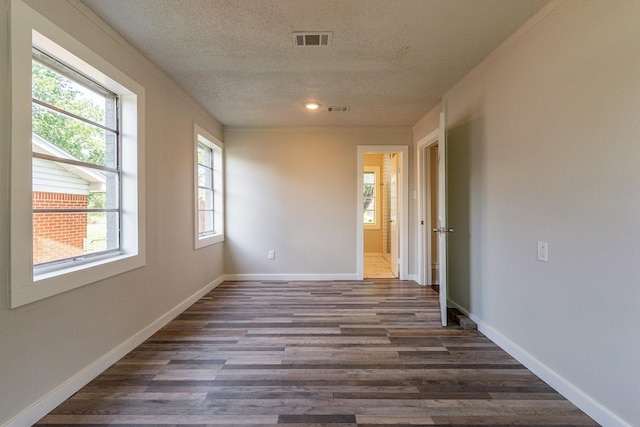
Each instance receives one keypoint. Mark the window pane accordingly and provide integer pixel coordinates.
(369, 178)
(66, 137)
(205, 177)
(55, 183)
(205, 199)
(56, 89)
(369, 204)
(62, 235)
(369, 190)
(204, 155)
(205, 222)
(369, 217)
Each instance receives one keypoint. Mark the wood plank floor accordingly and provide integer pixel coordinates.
(316, 354)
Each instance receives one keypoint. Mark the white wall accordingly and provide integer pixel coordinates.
(46, 343)
(295, 191)
(544, 145)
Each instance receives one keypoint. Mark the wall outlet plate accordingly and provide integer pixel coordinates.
(543, 251)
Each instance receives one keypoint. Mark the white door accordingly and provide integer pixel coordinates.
(443, 229)
(393, 217)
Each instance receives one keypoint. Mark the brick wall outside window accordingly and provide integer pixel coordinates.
(58, 235)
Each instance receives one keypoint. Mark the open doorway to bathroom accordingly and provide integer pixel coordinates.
(379, 193)
(382, 212)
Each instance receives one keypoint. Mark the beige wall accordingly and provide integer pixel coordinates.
(427, 124)
(46, 343)
(543, 146)
(295, 191)
(373, 236)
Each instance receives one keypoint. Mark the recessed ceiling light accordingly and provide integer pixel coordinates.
(312, 105)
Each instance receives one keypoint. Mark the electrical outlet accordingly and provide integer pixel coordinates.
(543, 251)
(272, 254)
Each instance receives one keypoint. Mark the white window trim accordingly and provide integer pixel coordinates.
(28, 28)
(378, 201)
(200, 135)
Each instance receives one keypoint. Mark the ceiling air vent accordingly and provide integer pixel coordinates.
(301, 39)
(338, 109)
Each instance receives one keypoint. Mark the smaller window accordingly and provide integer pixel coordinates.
(371, 197)
(209, 209)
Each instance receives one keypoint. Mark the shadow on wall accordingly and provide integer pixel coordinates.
(465, 144)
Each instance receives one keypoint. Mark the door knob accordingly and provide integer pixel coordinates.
(443, 230)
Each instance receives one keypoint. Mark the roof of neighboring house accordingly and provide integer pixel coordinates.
(57, 177)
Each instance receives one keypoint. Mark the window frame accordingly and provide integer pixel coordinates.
(201, 136)
(29, 29)
(376, 197)
(115, 169)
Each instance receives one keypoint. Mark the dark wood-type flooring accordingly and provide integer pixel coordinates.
(316, 354)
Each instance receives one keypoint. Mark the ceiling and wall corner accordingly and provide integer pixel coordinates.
(389, 61)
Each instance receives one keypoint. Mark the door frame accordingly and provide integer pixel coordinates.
(403, 226)
(425, 235)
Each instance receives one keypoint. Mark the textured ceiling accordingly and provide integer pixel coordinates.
(390, 61)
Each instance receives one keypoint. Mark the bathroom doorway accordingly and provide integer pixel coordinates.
(382, 211)
(379, 197)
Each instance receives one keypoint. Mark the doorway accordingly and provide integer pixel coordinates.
(380, 197)
(428, 205)
(382, 212)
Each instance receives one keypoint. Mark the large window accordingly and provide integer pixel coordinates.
(209, 209)
(76, 163)
(75, 168)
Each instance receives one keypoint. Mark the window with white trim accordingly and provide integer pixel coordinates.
(371, 197)
(77, 164)
(76, 171)
(209, 198)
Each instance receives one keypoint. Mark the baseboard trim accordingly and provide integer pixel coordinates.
(572, 393)
(61, 393)
(413, 277)
(289, 277)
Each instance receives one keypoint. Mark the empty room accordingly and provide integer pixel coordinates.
(329, 212)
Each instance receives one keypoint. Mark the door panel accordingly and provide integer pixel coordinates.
(442, 217)
(394, 200)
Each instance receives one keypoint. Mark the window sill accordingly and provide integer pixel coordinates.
(61, 280)
(208, 241)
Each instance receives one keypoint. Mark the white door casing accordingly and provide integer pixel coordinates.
(424, 185)
(395, 200)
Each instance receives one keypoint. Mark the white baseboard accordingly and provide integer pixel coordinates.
(576, 396)
(61, 393)
(289, 277)
(413, 277)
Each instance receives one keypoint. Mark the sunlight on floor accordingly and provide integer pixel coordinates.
(376, 267)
